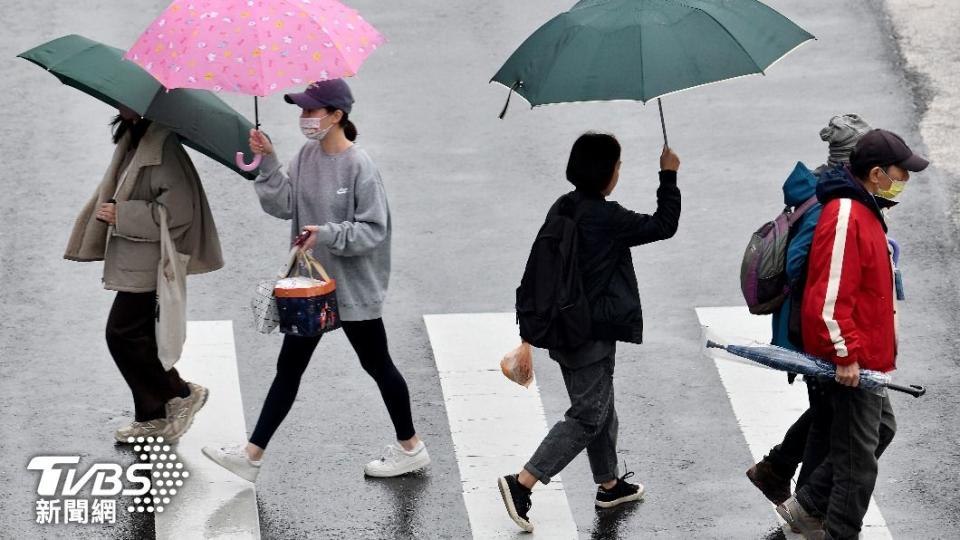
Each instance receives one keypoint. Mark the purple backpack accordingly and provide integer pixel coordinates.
(763, 273)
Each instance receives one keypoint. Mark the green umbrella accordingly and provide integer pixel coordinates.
(202, 120)
(604, 50)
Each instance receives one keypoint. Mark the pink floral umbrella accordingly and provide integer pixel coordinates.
(253, 47)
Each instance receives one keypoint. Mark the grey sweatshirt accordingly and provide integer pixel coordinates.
(344, 194)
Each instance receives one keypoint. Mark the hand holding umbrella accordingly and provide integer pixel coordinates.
(259, 143)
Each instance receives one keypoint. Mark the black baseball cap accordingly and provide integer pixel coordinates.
(332, 93)
(882, 148)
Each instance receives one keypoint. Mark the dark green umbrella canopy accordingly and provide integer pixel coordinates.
(604, 50)
(201, 119)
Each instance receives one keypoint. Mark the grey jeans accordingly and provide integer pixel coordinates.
(858, 429)
(590, 423)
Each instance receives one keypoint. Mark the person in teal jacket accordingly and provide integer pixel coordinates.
(800, 186)
(773, 473)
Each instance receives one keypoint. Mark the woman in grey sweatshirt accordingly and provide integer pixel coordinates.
(333, 190)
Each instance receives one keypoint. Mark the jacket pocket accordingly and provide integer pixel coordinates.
(129, 256)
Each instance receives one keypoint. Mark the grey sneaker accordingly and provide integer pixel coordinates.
(198, 396)
(180, 411)
(148, 428)
(800, 520)
(234, 459)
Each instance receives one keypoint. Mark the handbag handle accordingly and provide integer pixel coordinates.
(311, 263)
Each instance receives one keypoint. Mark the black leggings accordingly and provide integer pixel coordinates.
(369, 341)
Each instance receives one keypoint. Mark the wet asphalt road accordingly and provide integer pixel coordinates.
(468, 192)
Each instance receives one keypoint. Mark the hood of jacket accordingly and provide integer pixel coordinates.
(799, 186)
(839, 183)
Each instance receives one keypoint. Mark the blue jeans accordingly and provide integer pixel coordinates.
(589, 424)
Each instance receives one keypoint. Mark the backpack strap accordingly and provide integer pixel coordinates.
(799, 211)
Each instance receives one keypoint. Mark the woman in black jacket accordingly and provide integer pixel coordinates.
(607, 231)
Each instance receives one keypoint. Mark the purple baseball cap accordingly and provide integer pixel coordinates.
(332, 93)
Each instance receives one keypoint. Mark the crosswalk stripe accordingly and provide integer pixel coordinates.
(213, 503)
(495, 424)
(765, 406)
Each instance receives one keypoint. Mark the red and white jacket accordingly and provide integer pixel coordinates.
(849, 305)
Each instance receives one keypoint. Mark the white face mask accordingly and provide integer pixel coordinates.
(310, 127)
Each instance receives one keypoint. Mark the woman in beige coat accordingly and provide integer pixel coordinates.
(120, 226)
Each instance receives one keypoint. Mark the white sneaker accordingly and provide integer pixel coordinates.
(396, 461)
(234, 459)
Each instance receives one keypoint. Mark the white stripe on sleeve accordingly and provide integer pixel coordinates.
(833, 285)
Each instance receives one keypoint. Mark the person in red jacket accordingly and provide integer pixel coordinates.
(849, 318)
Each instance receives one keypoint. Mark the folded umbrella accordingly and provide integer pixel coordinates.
(201, 119)
(783, 359)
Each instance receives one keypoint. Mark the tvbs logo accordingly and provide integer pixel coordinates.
(106, 478)
(152, 481)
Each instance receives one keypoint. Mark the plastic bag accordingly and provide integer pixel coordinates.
(510, 364)
(266, 317)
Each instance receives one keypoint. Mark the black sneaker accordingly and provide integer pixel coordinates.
(516, 498)
(620, 493)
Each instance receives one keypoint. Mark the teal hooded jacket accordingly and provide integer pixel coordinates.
(799, 186)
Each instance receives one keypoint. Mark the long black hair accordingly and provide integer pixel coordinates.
(349, 130)
(121, 126)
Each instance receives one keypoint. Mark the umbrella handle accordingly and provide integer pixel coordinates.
(243, 166)
(914, 390)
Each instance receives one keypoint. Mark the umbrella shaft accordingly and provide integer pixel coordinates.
(256, 112)
(663, 124)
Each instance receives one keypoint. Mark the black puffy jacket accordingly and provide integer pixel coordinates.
(607, 232)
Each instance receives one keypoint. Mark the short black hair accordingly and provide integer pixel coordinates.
(593, 158)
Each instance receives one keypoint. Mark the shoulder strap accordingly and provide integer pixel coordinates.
(800, 210)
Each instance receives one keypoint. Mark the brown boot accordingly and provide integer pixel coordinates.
(774, 487)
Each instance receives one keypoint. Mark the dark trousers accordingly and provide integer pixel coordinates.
(589, 424)
(132, 340)
(861, 427)
(794, 450)
(369, 341)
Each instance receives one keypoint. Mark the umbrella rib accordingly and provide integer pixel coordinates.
(734, 38)
(354, 70)
(52, 66)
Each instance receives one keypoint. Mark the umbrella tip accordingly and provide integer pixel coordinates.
(713, 344)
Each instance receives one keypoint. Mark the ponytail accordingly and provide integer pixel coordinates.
(349, 130)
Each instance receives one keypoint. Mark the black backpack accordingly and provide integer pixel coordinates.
(552, 308)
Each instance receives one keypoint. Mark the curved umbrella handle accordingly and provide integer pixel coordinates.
(245, 166)
(914, 389)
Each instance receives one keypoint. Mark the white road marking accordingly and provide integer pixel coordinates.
(213, 503)
(495, 424)
(764, 404)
